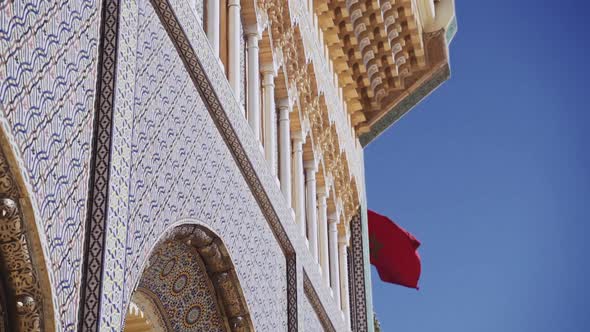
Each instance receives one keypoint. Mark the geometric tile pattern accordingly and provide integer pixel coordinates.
(351, 291)
(182, 169)
(198, 7)
(48, 60)
(179, 285)
(112, 310)
(168, 161)
(357, 275)
(319, 313)
(100, 167)
(311, 321)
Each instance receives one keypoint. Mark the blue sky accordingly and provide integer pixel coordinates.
(492, 174)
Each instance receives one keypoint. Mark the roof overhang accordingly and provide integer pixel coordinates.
(388, 55)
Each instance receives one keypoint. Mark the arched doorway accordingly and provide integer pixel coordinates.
(188, 284)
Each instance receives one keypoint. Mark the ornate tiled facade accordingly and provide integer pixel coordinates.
(119, 129)
(311, 321)
(48, 53)
(172, 131)
(177, 278)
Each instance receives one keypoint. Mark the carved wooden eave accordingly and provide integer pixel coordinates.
(388, 54)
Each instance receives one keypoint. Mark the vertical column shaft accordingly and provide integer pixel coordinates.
(234, 54)
(253, 101)
(323, 234)
(312, 226)
(213, 12)
(298, 181)
(269, 117)
(344, 294)
(333, 253)
(285, 149)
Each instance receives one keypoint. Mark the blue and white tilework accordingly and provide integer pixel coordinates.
(169, 161)
(311, 321)
(181, 168)
(198, 7)
(48, 61)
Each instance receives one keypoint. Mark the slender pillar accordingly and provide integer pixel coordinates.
(333, 253)
(213, 24)
(253, 105)
(285, 149)
(343, 258)
(298, 184)
(269, 117)
(311, 198)
(323, 228)
(233, 36)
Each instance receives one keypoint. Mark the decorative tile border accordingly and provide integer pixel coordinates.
(316, 304)
(195, 69)
(356, 268)
(292, 293)
(405, 105)
(100, 166)
(99, 192)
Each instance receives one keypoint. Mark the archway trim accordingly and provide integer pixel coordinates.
(220, 271)
(26, 288)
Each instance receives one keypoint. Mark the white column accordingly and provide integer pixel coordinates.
(333, 253)
(342, 244)
(213, 12)
(233, 36)
(253, 103)
(323, 227)
(311, 198)
(285, 149)
(269, 117)
(298, 183)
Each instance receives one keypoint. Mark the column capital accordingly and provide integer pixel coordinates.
(284, 104)
(323, 192)
(344, 237)
(252, 31)
(268, 68)
(298, 136)
(268, 75)
(232, 3)
(333, 218)
(310, 165)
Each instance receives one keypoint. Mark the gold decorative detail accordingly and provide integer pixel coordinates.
(378, 50)
(220, 271)
(301, 76)
(23, 295)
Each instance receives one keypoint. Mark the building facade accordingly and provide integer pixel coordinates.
(197, 165)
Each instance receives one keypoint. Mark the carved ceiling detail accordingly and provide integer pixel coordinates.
(378, 50)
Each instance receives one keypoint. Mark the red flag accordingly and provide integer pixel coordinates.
(393, 251)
